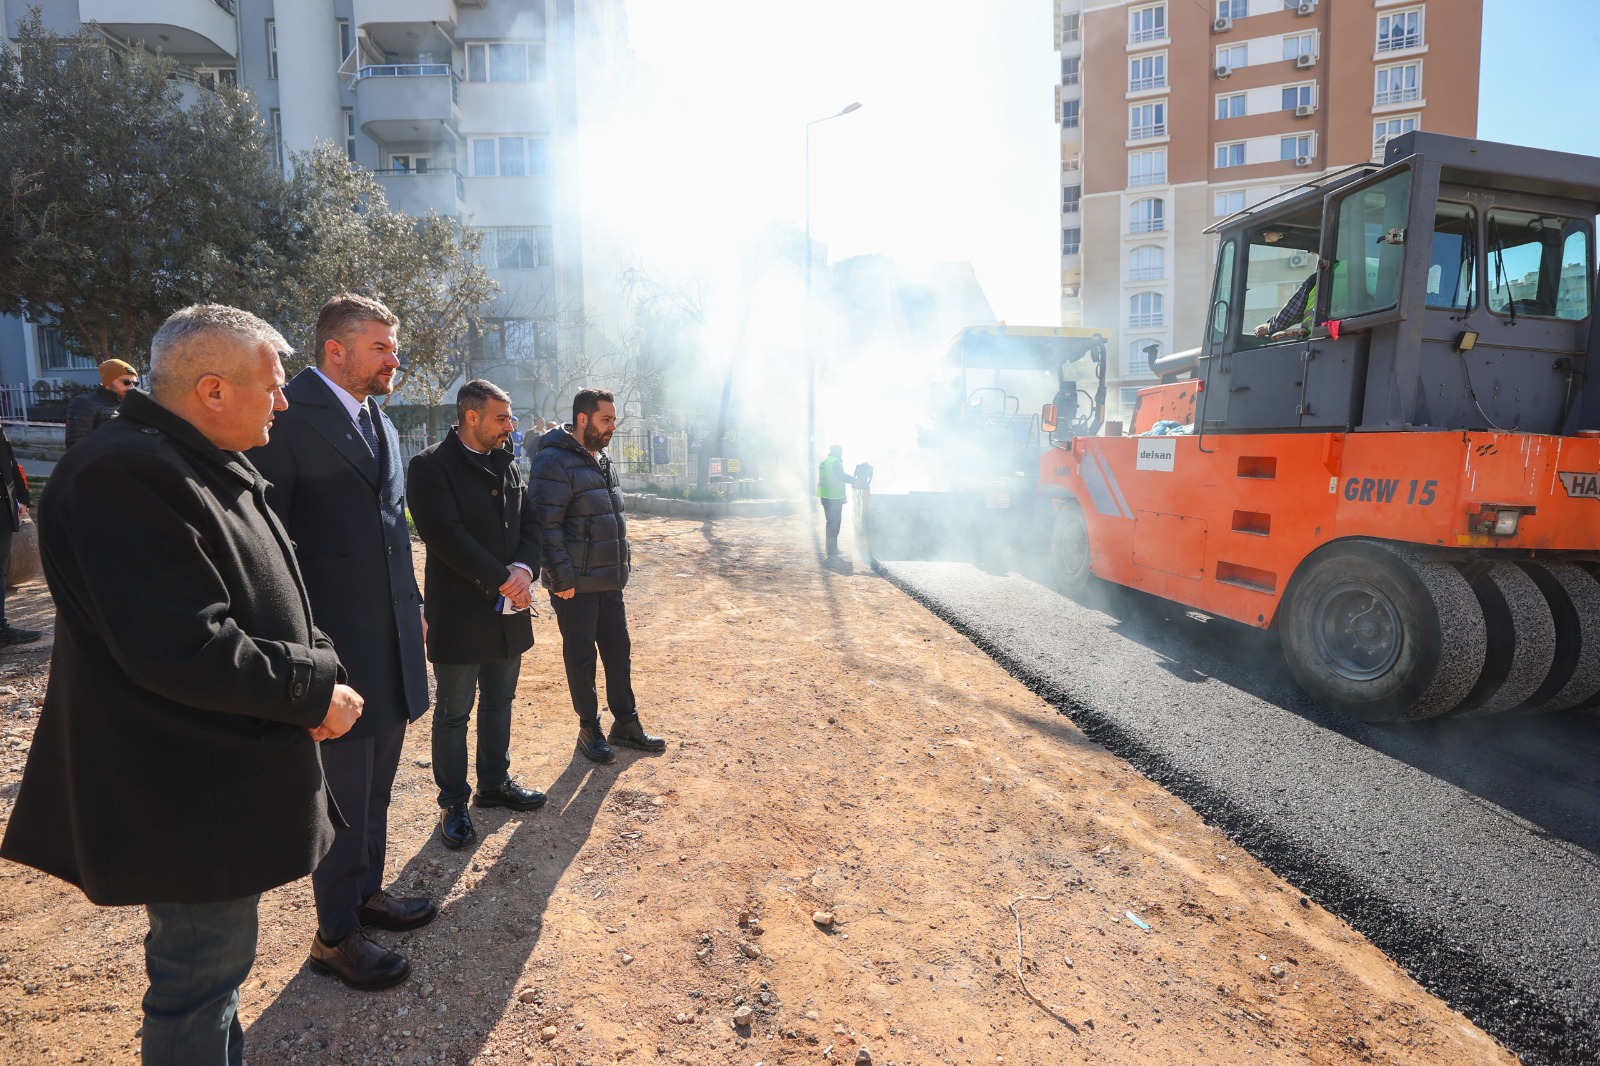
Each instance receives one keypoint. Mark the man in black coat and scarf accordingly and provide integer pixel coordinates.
(586, 561)
(175, 761)
(338, 484)
(471, 510)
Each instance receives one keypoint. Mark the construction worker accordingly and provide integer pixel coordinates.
(831, 480)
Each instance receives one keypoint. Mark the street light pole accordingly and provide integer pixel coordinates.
(811, 351)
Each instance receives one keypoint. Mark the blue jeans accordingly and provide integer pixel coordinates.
(495, 684)
(197, 955)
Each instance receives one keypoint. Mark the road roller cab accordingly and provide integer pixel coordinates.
(1388, 447)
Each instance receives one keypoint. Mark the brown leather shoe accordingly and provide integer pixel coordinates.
(397, 913)
(358, 962)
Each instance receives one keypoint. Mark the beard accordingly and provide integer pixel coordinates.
(595, 439)
(375, 384)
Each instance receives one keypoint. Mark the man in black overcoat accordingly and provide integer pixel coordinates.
(584, 546)
(468, 503)
(14, 502)
(175, 761)
(337, 483)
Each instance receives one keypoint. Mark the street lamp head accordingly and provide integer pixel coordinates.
(851, 107)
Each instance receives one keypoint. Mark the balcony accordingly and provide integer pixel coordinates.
(414, 193)
(189, 28)
(407, 102)
(372, 13)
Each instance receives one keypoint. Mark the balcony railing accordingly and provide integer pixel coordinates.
(1145, 273)
(1158, 177)
(1396, 96)
(1154, 33)
(1144, 321)
(1158, 81)
(1147, 225)
(1139, 133)
(226, 5)
(1395, 42)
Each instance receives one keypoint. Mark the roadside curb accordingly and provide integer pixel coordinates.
(643, 503)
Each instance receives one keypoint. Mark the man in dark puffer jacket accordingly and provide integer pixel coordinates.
(585, 567)
(90, 410)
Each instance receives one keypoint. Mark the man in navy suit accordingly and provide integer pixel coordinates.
(338, 485)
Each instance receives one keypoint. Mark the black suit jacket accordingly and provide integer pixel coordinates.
(476, 519)
(350, 536)
(172, 762)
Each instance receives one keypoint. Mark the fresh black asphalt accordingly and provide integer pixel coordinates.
(1469, 851)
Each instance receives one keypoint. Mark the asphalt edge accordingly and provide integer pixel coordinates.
(1536, 1030)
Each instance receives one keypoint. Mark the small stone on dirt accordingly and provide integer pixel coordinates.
(749, 950)
(822, 918)
(527, 995)
(547, 1033)
(864, 1057)
(743, 1015)
(626, 958)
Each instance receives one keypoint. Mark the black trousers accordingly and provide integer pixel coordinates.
(5, 561)
(833, 512)
(361, 774)
(591, 621)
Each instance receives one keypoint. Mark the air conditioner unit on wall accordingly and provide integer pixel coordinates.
(1221, 25)
(1223, 70)
(1305, 62)
(1305, 111)
(1302, 161)
(1299, 259)
(1307, 7)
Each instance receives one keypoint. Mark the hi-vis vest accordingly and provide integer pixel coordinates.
(830, 478)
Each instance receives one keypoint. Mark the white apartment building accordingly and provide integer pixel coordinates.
(470, 108)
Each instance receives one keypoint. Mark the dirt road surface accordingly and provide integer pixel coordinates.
(859, 819)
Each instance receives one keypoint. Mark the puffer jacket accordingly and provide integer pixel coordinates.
(584, 536)
(88, 411)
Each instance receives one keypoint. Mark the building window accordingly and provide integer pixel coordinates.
(53, 353)
(1231, 106)
(509, 157)
(1147, 72)
(1398, 84)
(1230, 155)
(1296, 147)
(1147, 23)
(347, 40)
(410, 163)
(517, 247)
(1146, 263)
(517, 340)
(1233, 57)
(1386, 129)
(1069, 27)
(1071, 240)
(1069, 69)
(1400, 29)
(1144, 310)
(1233, 9)
(1147, 168)
(1147, 120)
(1228, 203)
(1130, 397)
(349, 133)
(1069, 113)
(1071, 195)
(1141, 353)
(272, 48)
(275, 127)
(1300, 44)
(1297, 96)
(1147, 216)
(511, 61)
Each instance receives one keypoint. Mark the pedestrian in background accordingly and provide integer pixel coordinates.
(175, 761)
(831, 480)
(338, 485)
(470, 508)
(88, 411)
(13, 509)
(585, 567)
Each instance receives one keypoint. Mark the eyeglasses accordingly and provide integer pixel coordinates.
(129, 382)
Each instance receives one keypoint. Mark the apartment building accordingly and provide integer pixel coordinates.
(1177, 113)
(470, 108)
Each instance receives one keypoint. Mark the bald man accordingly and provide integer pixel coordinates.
(175, 762)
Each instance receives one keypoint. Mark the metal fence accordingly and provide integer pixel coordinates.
(641, 453)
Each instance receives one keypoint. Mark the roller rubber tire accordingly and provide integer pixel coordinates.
(1069, 550)
(1521, 645)
(1574, 598)
(1376, 633)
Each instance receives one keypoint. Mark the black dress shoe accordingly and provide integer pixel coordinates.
(358, 962)
(510, 795)
(628, 732)
(455, 826)
(397, 913)
(12, 635)
(592, 744)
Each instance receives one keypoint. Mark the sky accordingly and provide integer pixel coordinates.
(954, 153)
